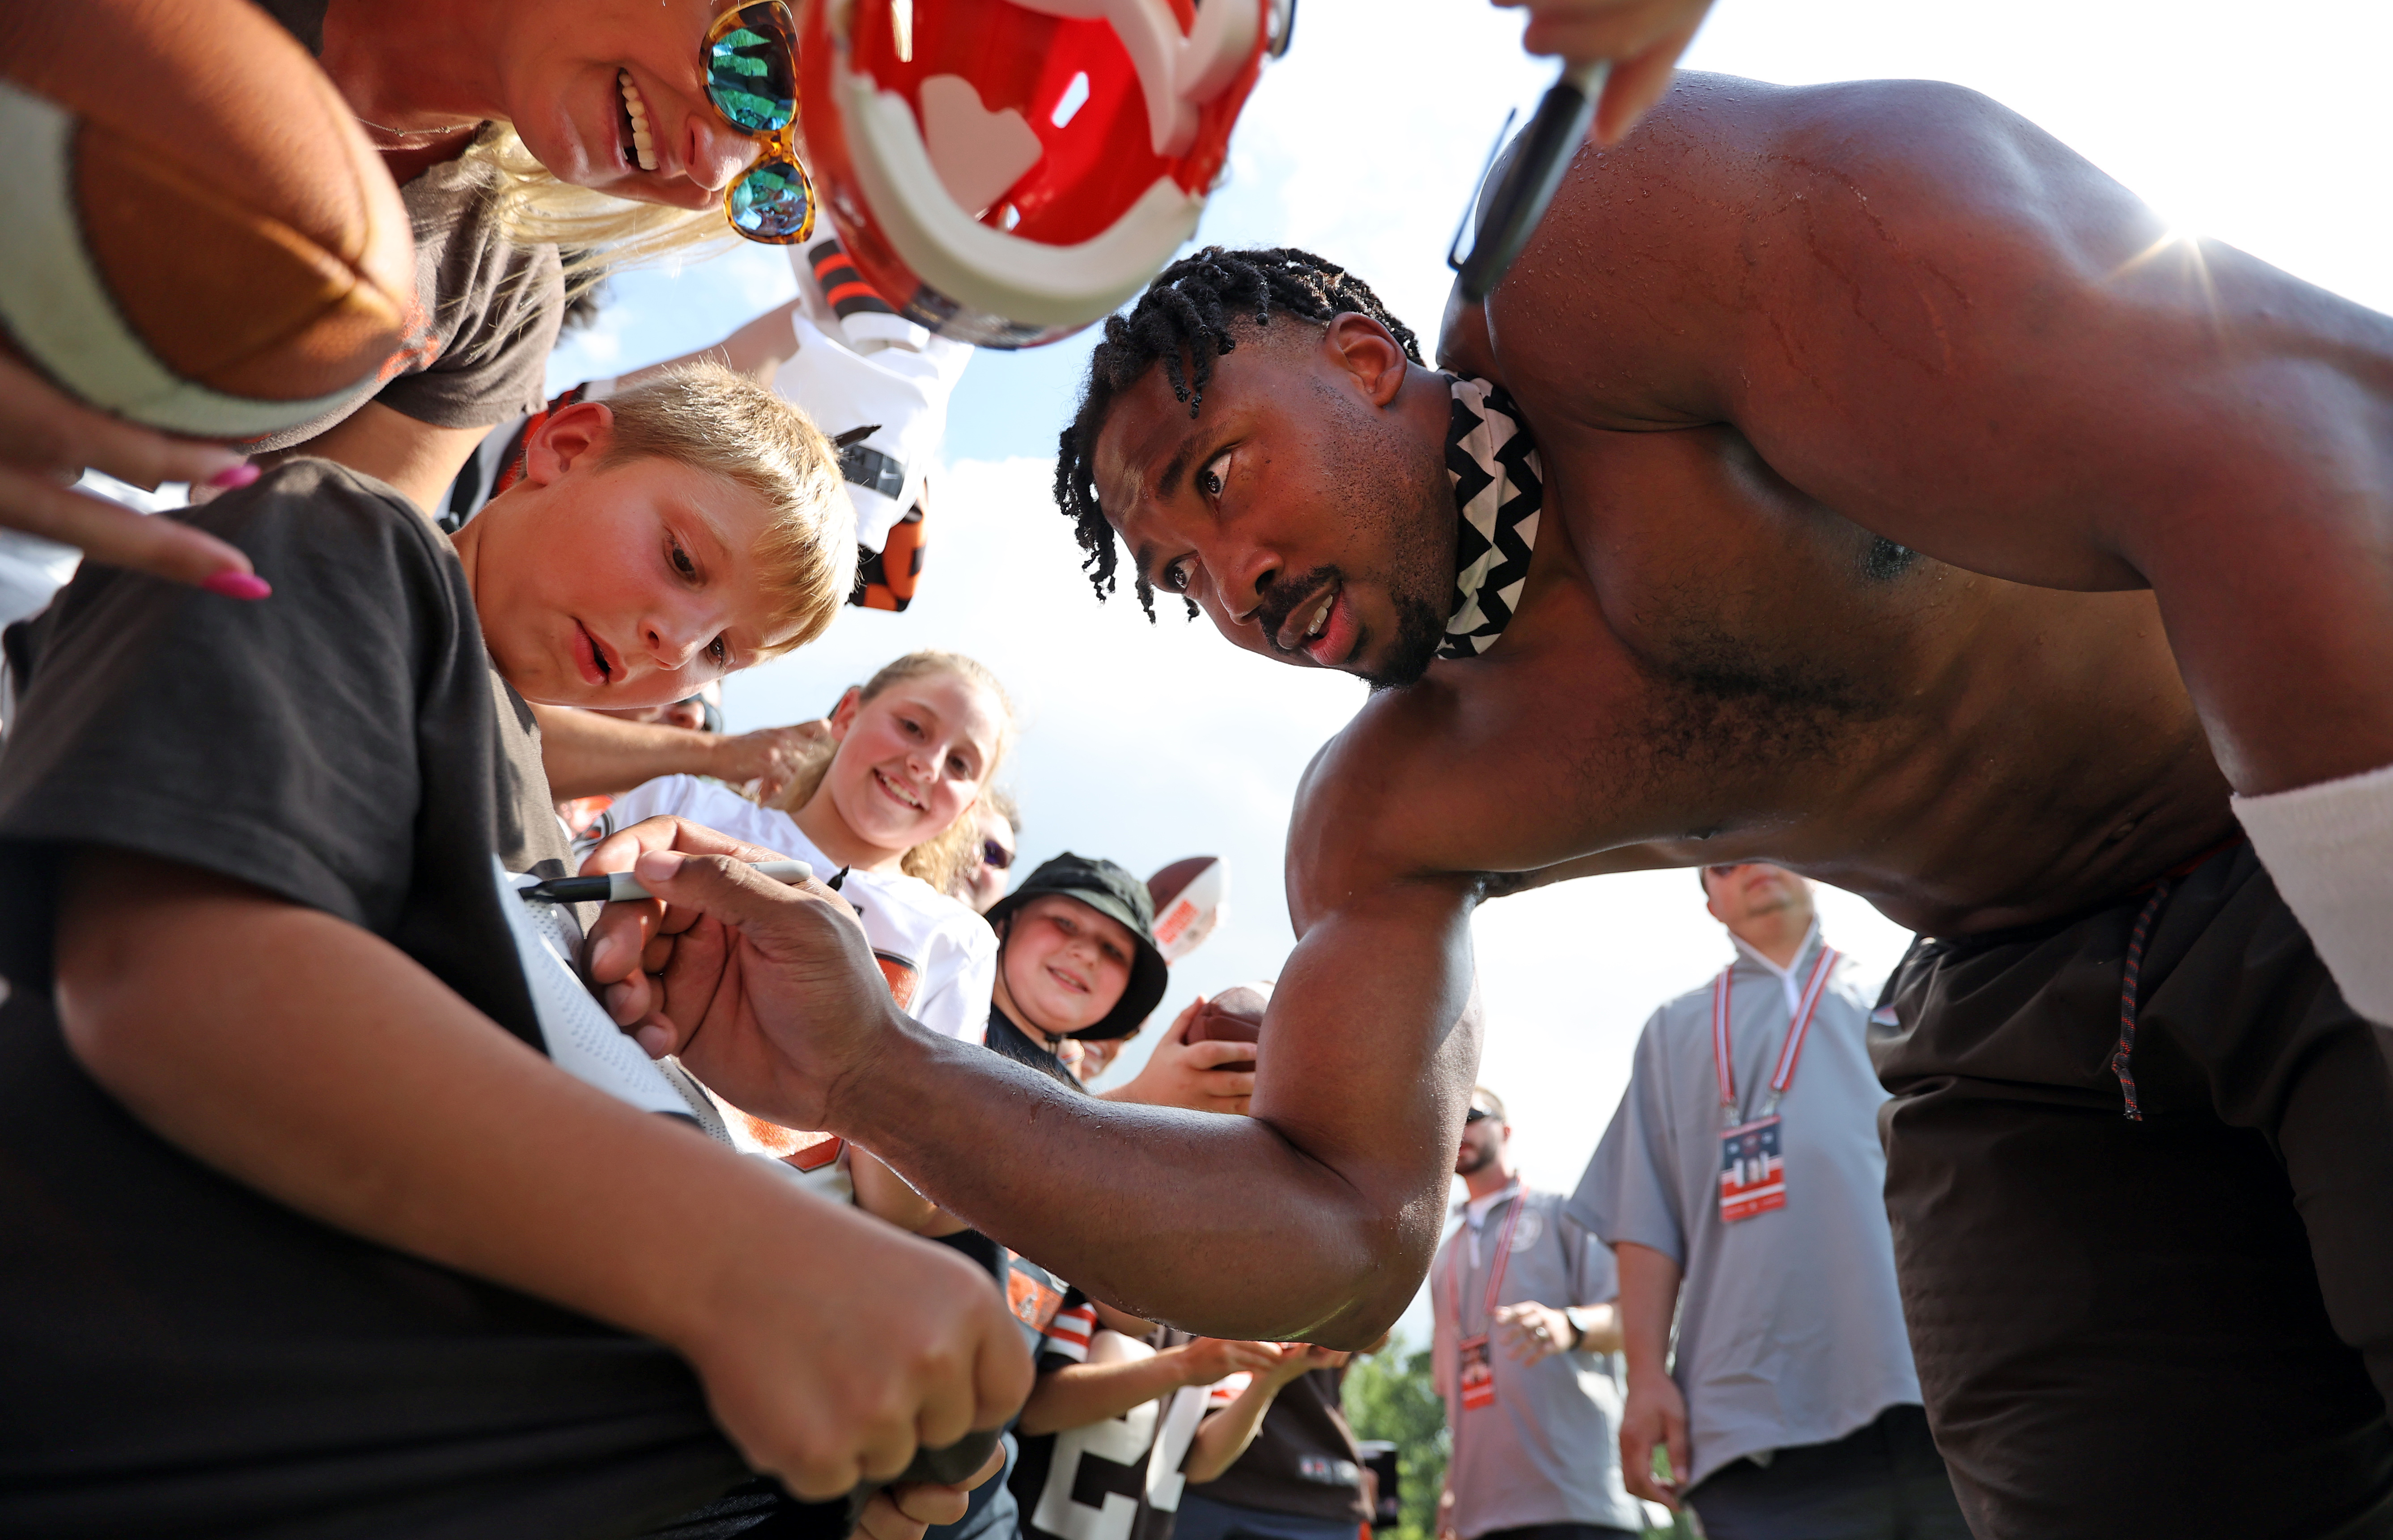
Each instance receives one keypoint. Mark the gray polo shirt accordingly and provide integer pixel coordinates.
(1548, 1451)
(1790, 1325)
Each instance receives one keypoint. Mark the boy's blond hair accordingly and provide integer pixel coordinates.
(936, 860)
(706, 416)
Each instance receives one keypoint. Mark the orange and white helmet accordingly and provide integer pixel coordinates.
(1006, 171)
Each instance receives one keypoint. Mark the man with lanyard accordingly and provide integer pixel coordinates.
(1792, 1408)
(1525, 1330)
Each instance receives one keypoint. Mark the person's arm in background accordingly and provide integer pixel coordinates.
(1655, 1411)
(1115, 1379)
(417, 457)
(313, 1061)
(757, 350)
(589, 755)
(1224, 1433)
(1530, 1331)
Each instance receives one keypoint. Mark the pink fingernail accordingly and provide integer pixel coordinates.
(230, 476)
(237, 585)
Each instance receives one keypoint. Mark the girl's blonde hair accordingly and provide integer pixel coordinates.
(706, 416)
(940, 859)
(603, 233)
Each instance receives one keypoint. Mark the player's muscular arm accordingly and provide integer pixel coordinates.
(1945, 325)
(1313, 1216)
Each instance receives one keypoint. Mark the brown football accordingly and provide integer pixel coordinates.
(1235, 1016)
(198, 235)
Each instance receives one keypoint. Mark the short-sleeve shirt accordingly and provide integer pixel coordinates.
(210, 1355)
(1790, 1325)
(344, 744)
(490, 307)
(1548, 1451)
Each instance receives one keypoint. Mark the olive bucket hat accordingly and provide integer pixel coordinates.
(1118, 895)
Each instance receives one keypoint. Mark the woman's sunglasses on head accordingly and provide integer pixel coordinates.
(751, 63)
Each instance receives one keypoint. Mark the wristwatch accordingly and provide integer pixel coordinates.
(1578, 1326)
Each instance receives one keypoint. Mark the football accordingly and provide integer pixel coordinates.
(199, 236)
(1191, 896)
(1235, 1016)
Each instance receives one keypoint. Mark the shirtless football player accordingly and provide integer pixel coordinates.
(1850, 477)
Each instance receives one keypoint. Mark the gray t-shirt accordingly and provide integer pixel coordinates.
(490, 307)
(1790, 1325)
(1548, 1452)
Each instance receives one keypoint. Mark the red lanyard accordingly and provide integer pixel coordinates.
(1494, 1269)
(1796, 1030)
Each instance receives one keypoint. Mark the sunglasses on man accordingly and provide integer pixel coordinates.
(1476, 1114)
(750, 59)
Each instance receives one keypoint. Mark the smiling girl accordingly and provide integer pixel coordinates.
(890, 795)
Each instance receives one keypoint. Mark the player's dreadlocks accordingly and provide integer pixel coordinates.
(1184, 321)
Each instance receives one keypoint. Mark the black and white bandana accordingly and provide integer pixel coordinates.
(1499, 485)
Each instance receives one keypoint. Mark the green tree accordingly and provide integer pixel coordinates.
(1391, 1396)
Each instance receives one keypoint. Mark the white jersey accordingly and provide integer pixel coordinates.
(940, 958)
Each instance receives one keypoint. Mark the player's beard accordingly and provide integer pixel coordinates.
(1399, 482)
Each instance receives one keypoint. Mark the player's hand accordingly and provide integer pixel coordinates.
(629, 952)
(1655, 1415)
(904, 1512)
(763, 763)
(1189, 1075)
(831, 1352)
(48, 440)
(1445, 1530)
(1531, 1332)
(1211, 1358)
(1641, 38)
(767, 991)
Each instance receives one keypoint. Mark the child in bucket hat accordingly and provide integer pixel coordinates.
(1077, 960)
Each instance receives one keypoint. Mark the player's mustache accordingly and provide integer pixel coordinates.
(1279, 601)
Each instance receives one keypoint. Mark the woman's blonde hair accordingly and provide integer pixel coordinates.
(940, 859)
(603, 232)
(706, 416)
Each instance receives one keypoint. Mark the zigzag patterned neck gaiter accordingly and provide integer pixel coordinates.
(1499, 485)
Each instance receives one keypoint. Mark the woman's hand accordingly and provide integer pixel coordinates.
(46, 441)
(1641, 38)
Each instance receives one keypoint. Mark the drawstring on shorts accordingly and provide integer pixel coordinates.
(2123, 1057)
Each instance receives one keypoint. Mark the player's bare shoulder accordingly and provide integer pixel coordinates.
(1734, 209)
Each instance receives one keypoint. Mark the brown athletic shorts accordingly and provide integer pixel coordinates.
(2157, 1327)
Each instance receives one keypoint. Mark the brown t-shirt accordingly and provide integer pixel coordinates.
(492, 307)
(343, 744)
(1304, 1459)
(185, 1354)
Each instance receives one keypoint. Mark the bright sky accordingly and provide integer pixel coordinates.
(2264, 126)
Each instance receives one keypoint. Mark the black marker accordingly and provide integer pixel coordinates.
(616, 887)
(837, 878)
